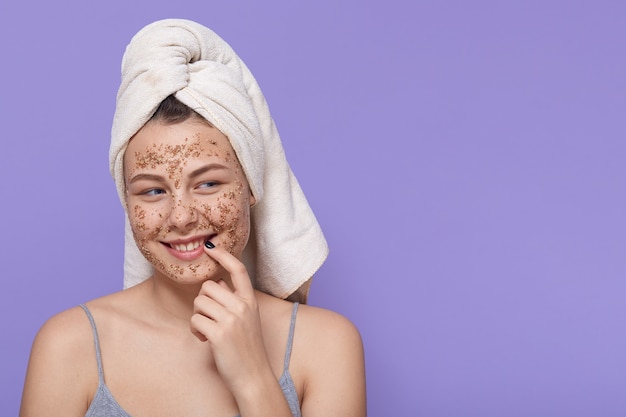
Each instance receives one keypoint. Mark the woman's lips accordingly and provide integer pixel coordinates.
(187, 250)
(186, 247)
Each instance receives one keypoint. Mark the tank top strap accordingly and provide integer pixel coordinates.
(95, 341)
(292, 327)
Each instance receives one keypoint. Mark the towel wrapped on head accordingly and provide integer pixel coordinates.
(185, 59)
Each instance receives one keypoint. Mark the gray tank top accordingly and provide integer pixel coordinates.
(104, 405)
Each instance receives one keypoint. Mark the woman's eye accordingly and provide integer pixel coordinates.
(153, 192)
(208, 184)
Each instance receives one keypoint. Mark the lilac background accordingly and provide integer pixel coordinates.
(464, 158)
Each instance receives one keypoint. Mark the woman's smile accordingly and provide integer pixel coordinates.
(187, 250)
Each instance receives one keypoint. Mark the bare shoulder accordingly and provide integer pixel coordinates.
(319, 326)
(329, 350)
(65, 334)
(316, 328)
(71, 330)
(62, 375)
(321, 335)
(62, 370)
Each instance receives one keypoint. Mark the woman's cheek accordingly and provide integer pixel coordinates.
(229, 217)
(137, 219)
(147, 226)
(147, 223)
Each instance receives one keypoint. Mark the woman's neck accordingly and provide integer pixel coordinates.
(172, 300)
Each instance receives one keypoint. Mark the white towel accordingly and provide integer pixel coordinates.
(190, 61)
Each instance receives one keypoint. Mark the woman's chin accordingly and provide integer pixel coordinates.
(192, 274)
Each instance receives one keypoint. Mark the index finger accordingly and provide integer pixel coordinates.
(236, 269)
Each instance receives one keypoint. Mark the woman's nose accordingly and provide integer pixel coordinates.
(183, 215)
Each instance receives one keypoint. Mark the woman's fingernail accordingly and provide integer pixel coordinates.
(209, 245)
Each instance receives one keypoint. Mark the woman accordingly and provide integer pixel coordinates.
(219, 237)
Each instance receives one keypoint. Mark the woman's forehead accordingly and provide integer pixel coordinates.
(157, 143)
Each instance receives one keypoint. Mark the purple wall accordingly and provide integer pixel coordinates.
(466, 160)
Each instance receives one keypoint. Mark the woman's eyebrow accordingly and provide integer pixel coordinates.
(149, 177)
(193, 174)
(208, 167)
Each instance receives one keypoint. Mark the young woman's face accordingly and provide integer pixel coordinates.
(184, 185)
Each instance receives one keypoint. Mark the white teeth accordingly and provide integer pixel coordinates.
(182, 247)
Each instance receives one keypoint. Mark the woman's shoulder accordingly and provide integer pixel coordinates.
(315, 327)
(70, 330)
(67, 338)
(310, 319)
(64, 331)
(62, 369)
(331, 365)
(69, 334)
(322, 327)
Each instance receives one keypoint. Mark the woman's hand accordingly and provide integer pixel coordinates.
(228, 319)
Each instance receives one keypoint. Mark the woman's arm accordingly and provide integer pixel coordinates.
(56, 379)
(334, 364)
